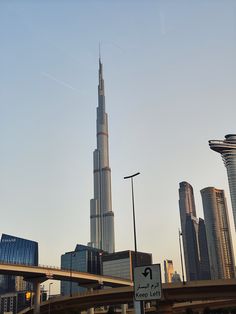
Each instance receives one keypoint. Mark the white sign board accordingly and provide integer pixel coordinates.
(147, 282)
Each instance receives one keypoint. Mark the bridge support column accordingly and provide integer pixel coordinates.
(123, 308)
(37, 293)
(36, 297)
(91, 310)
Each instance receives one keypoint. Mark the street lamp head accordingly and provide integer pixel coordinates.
(133, 175)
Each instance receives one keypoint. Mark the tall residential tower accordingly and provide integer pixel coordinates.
(193, 235)
(227, 149)
(101, 214)
(218, 233)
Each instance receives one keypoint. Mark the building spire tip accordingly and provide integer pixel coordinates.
(99, 52)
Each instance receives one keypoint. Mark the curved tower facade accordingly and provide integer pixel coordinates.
(227, 149)
(101, 214)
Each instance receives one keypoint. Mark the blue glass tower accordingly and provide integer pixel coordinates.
(18, 251)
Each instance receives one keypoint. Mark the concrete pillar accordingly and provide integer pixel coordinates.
(148, 305)
(123, 308)
(137, 307)
(36, 297)
(91, 310)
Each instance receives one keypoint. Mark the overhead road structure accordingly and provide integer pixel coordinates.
(39, 274)
(84, 279)
(220, 291)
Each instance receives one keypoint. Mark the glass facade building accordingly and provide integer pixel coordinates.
(17, 251)
(121, 264)
(85, 259)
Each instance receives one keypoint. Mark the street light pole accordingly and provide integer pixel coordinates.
(134, 224)
(139, 304)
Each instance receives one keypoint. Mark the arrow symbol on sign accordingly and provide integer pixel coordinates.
(147, 271)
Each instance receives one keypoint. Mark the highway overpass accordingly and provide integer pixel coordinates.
(176, 297)
(172, 293)
(39, 274)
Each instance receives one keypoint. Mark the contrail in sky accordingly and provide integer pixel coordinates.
(51, 77)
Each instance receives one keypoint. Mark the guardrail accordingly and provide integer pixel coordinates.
(36, 266)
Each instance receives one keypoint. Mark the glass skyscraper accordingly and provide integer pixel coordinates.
(18, 251)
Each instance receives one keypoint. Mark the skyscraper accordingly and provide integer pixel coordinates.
(193, 235)
(187, 212)
(227, 149)
(218, 233)
(101, 214)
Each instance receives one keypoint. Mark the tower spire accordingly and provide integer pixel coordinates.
(99, 50)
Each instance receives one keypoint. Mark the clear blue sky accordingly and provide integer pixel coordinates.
(170, 75)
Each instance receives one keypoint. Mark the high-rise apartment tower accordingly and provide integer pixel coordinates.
(101, 214)
(218, 233)
(193, 235)
(227, 149)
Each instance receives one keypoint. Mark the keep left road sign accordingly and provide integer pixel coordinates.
(147, 282)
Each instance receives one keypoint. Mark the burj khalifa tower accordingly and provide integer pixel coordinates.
(101, 214)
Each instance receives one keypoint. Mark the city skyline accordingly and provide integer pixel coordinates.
(170, 87)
